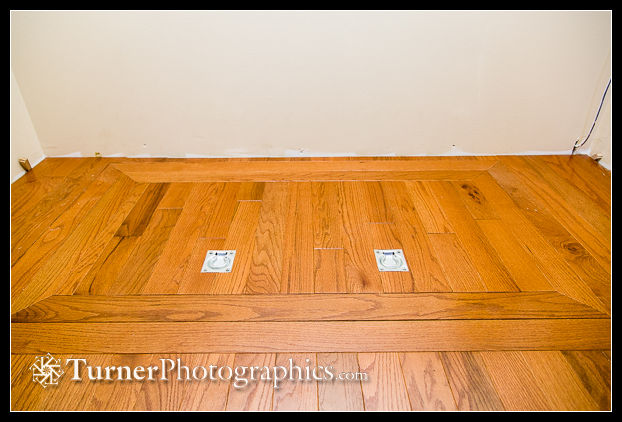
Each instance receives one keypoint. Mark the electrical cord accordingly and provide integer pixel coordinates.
(576, 144)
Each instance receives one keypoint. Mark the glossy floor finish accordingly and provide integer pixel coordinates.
(506, 305)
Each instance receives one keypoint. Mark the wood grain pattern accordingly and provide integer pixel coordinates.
(593, 369)
(241, 238)
(72, 260)
(255, 396)
(306, 307)
(206, 396)
(313, 336)
(597, 243)
(493, 273)
(329, 271)
(27, 227)
(360, 265)
(470, 382)
(573, 197)
(536, 212)
(459, 271)
(175, 196)
(297, 394)
(475, 201)
(60, 229)
(559, 383)
(423, 262)
(136, 221)
(518, 261)
(327, 229)
(584, 173)
(517, 387)
(426, 382)
(170, 268)
(297, 272)
(506, 305)
(135, 274)
(263, 171)
(429, 211)
(336, 395)
(560, 275)
(388, 391)
(267, 261)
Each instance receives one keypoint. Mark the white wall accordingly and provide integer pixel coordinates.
(310, 83)
(600, 140)
(24, 140)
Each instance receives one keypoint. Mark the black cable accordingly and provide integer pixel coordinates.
(593, 124)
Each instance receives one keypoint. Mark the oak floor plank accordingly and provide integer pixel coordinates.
(517, 387)
(475, 201)
(426, 382)
(337, 395)
(378, 199)
(305, 307)
(550, 202)
(136, 271)
(492, 271)
(267, 260)
(26, 228)
(326, 202)
(586, 175)
(241, 238)
(251, 191)
(593, 369)
(561, 274)
(170, 268)
(387, 236)
(385, 390)
(519, 262)
(256, 395)
(206, 395)
(297, 394)
(165, 394)
(311, 336)
(504, 185)
(427, 208)
(558, 381)
(297, 272)
(138, 219)
(555, 186)
(69, 396)
(306, 283)
(470, 382)
(71, 261)
(26, 196)
(25, 394)
(175, 196)
(117, 395)
(459, 270)
(591, 171)
(360, 265)
(60, 229)
(422, 260)
(329, 271)
(107, 269)
(218, 221)
(194, 282)
(265, 171)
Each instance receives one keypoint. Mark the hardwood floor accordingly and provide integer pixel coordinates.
(506, 305)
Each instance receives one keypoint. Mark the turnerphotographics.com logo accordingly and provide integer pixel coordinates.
(46, 370)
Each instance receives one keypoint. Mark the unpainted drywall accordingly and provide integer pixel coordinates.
(309, 83)
(24, 140)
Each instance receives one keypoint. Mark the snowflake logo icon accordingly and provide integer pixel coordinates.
(46, 370)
